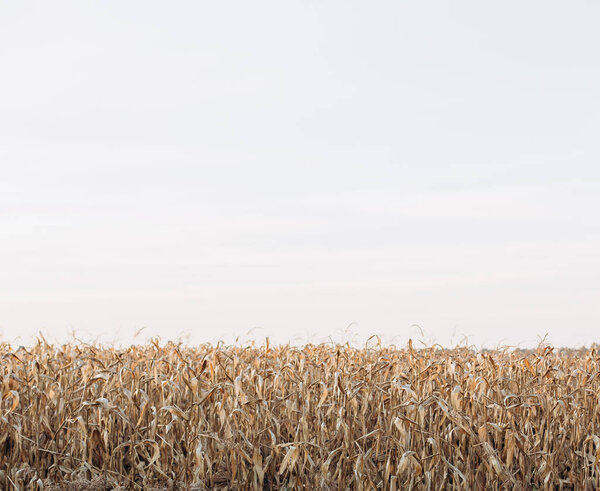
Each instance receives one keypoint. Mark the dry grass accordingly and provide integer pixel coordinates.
(318, 417)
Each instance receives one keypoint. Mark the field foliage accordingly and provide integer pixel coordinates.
(281, 417)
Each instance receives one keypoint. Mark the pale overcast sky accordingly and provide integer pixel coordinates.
(205, 168)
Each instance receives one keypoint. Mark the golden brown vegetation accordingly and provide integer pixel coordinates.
(318, 417)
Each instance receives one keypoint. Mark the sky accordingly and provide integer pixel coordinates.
(304, 171)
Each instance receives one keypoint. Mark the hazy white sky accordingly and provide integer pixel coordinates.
(205, 168)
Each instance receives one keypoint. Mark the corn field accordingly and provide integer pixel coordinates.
(327, 417)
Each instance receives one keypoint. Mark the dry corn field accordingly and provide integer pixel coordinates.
(316, 417)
